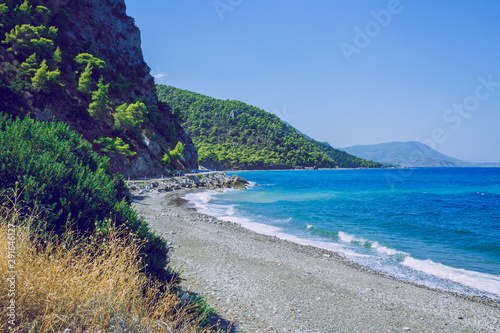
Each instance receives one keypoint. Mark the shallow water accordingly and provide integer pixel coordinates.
(435, 226)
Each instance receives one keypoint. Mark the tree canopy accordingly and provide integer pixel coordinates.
(241, 136)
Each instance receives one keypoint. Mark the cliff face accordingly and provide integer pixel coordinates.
(113, 36)
(101, 29)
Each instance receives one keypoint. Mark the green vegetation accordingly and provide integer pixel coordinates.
(130, 116)
(85, 80)
(45, 70)
(178, 151)
(238, 135)
(44, 78)
(87, 59)
(90, 284)
(174, 156)
(60, 176)
(116, 145)
(53, 71)
(349, 161)
(33, 47)
(100, 105)
(166, 159)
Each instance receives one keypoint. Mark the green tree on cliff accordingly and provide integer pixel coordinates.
(100, 101)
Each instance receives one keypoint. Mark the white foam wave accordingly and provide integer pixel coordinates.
(385, 250)
(350, 239)
(485, 282)
(482, 281)
(230, 210)
(200, 197)
(230, 213)
(284, 221)
(346, 238)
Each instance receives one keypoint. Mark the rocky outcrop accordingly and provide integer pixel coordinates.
(236, 182)
(235, 113)
(105, 26)
(209, 181)
(102, 29)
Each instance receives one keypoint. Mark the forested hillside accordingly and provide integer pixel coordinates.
(236, 135)
(80, 62)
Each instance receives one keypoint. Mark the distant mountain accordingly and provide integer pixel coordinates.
(410, 154)
(234, 135)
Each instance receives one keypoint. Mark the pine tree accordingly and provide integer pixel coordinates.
(85, 81)
(25, 10)
(30, 65)
(57, 57)
(130, 116)
(100, 105)
(4, 11)
(41, 78)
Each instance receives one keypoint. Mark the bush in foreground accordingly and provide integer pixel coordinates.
(91, 285)
(71, 186)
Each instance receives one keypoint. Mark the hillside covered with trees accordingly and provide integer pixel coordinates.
(80, 62)
(236, 135)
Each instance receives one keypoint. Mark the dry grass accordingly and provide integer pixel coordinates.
(84, 286)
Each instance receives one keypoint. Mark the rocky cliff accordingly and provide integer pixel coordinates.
(95, 41)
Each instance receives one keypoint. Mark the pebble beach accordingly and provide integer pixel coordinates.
(261, 283)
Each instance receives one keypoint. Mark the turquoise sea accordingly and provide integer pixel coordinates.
(438, 227)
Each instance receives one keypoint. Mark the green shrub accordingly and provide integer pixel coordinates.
(166, 159)
(44, 79)
(116, 145)
(130, 116)
(71, 185)
(178, 151)
(175, 155)
(26, 39)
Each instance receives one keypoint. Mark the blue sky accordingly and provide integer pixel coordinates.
(346, 72)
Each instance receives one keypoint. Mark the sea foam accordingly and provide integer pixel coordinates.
(482, 281)
(331, 219)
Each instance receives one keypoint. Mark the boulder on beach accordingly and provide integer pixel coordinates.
(238, 182)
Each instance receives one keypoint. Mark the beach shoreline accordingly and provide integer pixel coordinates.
(266, 284)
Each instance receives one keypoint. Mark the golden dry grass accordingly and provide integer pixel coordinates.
(82, 286)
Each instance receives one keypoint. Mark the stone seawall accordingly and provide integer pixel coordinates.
(209, 181)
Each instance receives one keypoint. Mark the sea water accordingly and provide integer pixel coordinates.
(438, 227)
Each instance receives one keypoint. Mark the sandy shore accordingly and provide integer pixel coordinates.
(265, 284)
